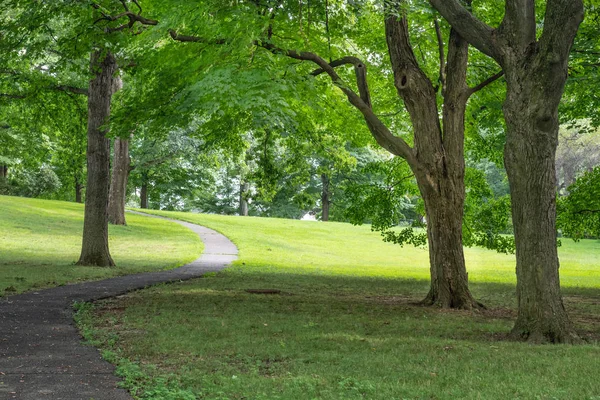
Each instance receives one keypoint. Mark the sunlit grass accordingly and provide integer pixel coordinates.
(338, 248)
(40, 241)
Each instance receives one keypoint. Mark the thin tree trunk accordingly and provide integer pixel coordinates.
(3, 171)
(94, 250)
(325, 201)
(144, 191)
(78, 187)
(118, 185)
(243, 211)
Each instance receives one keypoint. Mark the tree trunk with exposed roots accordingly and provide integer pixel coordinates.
(536, 68)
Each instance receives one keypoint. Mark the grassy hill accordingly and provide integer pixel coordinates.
(345, 325)
(40, 240)
(339, 248)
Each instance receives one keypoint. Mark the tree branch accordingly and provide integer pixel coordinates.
(394, 144)
(138, 6)
(483, 84)
(339, 62)
(587, 211)
(196, 39)
(71, 89)
(440, 39)
(593, 53)
(133, 17)
(13, 96)
(472, 29)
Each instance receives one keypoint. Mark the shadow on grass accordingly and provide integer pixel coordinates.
(365, 308)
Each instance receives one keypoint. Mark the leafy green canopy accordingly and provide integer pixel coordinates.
(579, 212)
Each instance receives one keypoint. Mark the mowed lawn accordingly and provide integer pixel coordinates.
(40, 241)
(345, 325)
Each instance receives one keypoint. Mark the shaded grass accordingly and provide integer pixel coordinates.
(40, 240)
(345, 325)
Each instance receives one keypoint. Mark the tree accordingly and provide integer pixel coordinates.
(536, 72)
(44, 45)
(437, 158)
(94, 248)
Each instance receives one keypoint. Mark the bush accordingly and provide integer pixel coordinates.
(31, 183)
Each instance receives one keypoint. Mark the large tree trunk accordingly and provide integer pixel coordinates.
(243, 211)
(118, 185)
(94, 250)
(325, 201)
(144, 191)
(532, 124)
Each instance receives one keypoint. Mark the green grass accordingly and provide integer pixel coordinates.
(345, 325)
(40, 241)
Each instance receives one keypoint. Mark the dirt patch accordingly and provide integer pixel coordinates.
(393, 300)
(498, 313)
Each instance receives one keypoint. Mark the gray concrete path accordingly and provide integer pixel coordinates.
(41, 353)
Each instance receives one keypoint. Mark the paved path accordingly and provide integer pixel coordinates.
(41, 354)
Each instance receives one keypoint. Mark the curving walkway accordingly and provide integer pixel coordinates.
(41, 353)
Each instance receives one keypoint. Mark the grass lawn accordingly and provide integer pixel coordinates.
(40, 240)
(345, 325)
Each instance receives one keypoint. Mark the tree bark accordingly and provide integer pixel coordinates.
(118, 185)
(94, 250)
(3, 171)
(532, 125)
(449, 279)
(325, 200)
(243, 211)
(536, 72)
(144, 191)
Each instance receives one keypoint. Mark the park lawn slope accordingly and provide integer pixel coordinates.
(40, 241)
(340, 248)
(345, 325)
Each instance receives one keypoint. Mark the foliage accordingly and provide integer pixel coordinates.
(580, 101)
(33, 183)
(385, 197)
(487, 215)
(579, 211)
